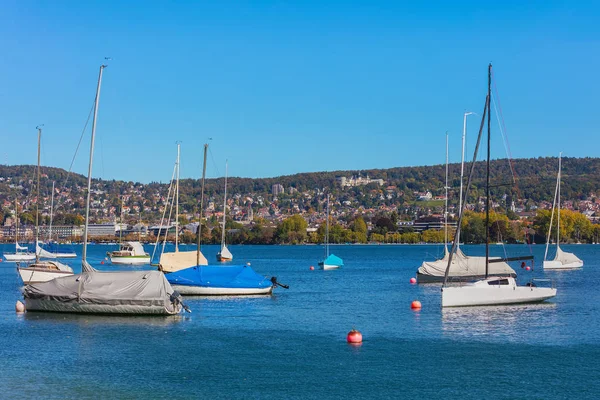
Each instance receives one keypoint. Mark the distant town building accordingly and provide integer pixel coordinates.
(425, 196)
(431, 222)
(61, 231)
(101, 230)
(277, 189)
(357, 181)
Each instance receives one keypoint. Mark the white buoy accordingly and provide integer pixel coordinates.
(19, 307)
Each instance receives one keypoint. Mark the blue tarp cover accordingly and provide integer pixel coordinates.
(333, 260)
(230, 276)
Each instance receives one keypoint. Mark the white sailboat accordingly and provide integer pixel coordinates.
(331, 261)
(21, 253)
(224, 254)
(491, 290)
(176, 260)
(41, 271)
(52, 250)
(562, 259)
(91, 291)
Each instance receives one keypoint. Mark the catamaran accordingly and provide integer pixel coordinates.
(91, 291)
(21, 253)
(224, 254)
(331, 261)
(492, 290)
(563, 259)
(41, 271)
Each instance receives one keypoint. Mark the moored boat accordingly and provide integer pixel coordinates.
(129, 253)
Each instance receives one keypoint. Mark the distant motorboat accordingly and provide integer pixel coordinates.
(129, 253)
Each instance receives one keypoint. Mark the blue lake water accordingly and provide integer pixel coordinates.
(293, 344)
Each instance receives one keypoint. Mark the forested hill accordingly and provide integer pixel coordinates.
(536, 180)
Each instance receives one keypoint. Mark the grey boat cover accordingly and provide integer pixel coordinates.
(464, 266)
(121, 292)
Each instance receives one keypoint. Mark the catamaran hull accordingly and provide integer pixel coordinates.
(220, 291)
(559, 265)
(130, 260)
(19, 257)
(36, 275)
(465, 296)
(425, 278)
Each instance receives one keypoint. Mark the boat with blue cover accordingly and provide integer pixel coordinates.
(220, 280)
(331, 261)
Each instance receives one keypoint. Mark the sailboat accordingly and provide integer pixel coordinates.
(563, 259)
(21, 253)
(492, 290)
(176, 260)
(51, 249)
(331, 261)
(223, 280)
(91, 291)
(129, 253)
(41, 271)
(224, 254)
(463, 267)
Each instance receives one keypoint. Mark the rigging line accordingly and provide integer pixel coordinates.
(504, 141)
(214, 163)
(164, 213)
(503, 127)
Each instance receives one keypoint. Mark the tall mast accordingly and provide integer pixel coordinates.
(224, 209)
(558, 201)
(462, 169)
(37, 198)
(446, 208)
(121, 220)
(51, 214)
(84, 267)
(201, 205)
(487, 176)
(17, 222)
(177, 202)
(327, 230)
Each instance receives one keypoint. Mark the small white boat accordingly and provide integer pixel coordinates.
(129, 253)
(563, 259)
(224, 255)
(494, 291)
(43, 271)
(53, 252)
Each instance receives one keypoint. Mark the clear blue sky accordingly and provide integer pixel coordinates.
(287, 87)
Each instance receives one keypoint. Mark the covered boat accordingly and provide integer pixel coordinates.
(21, 253)
(563, 260)
(331, 262)
(220, 280)
(123, 292)
(463, 268)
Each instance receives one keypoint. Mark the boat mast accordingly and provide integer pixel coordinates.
(558, 201)
(37, 198)
(224, 209)
(84, 266)
(462, 169)
(487, 176)
(51, 214)
(201, 205)
(121, 221)
(327, 229)
(553, 208)
(17, 222)
(446, 207)
(177, 201)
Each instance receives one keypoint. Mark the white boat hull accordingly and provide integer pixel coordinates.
(559, 265)
(328, 266)
(219, 291)
(31, 275)
(19, 257)
(482, 294)
(130, 260)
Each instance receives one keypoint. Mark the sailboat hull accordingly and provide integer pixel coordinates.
(130, 260)
(19, 257)
(426, 278)
(560, 265)
(31, 275)
(220, 291)
(328, 266)
(221, 258)
(487, 293)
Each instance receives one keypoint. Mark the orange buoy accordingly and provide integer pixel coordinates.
(312, 268)
(413, 281)
(415, 305)
(19, 307)
(101, 262)
(354, 337)
(527, 268)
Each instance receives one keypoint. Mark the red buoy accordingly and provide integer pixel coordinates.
(413, 281)
(101, 262)
(527, 268)
(415, 305)
(312, 268)
(354, 337)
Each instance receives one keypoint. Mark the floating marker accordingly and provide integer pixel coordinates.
(19, 307)
(354, 337)
(413, 281)
(101, 262)
(415, 305)
(527, 268)
(312, 268)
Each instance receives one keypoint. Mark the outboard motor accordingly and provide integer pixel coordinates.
(275, 283)
(176, 299)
